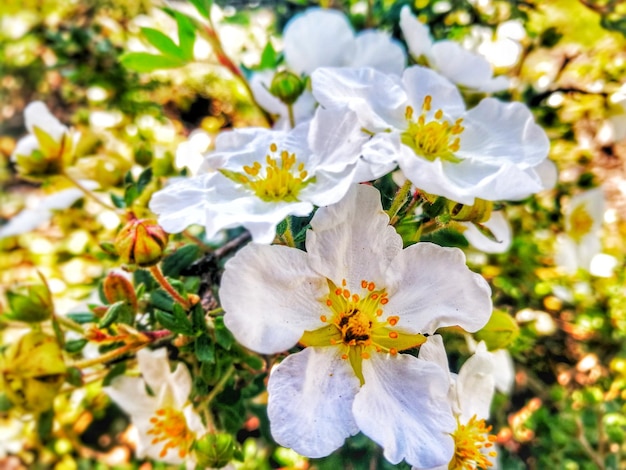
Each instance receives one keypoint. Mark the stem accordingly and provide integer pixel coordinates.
(70, 324)
(398, 202)
(292, 118)
(108, 355)
(215, 312)
(582, 439)
(220, 385)
(161, 279)
(89, 193)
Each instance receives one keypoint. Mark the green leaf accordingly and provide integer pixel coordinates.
(181, 317)
(223, 337)
(117, 370)
(119, 312)
(205, 349)
(145, 62)
(161, 300)
(75, 345)
(173, 323)
(118, 201)
(186, 35)
(269, 58)
(203, 7)
(144, 179)
(82, 317)
(178, 261)
(198, 319)
(44, 424)
(74, 377)
(162, 42)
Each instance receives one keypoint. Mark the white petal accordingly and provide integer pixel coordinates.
(271, 297)
(421, 81)
(25, 146)
(475, 386)
(379, 100)
(377, 49)
(404, 407)
(309, 45)
(310, 401)
(260, 83)
(190, 154)
(379, 156)
(154, 367)
(129, 393)
(416, 34)
(431, 287)
(500, 228)
(24, 222)
(503, 370)
(497, 133)
(434, 351)
(460, 65)
(352, 239)
(36, 114)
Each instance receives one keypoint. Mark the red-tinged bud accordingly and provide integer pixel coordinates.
(141, 242)
(117, 287)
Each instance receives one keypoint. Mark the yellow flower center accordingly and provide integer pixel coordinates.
(581, 222)
(281, 178)
(358, 325)
(472, 443)
(434, 138)
(169, 427)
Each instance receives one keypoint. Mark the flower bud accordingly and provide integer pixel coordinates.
(32, 372)
(287, 87)
(117, 287)
(214, 450)
(30, 303)
(141, 242)
(499, 332)
(479, 212)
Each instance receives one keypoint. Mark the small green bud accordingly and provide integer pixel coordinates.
(499, 332)
(30, 303)
(214, 450)
(141, 242)
(479, 212)
(287, 87)
(33, 371)
(117, 288)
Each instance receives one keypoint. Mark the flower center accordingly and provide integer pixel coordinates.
(356, 324)
(281, 178)
(169, 427)
(432, 138)
(581, 222)
(472, 443)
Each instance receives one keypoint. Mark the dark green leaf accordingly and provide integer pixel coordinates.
(181, 317)
(178, 261)
(75, 345)
(74, 377)
(118, 201)
(145, 62)
(5, 403)
(44, 424)
(130, 195)
(144, 179)
(119, 312)
(198, 320)
(205, 349)
(172, 323)
(162, 42)
(269, 58)
(117, 370)
(162, 300)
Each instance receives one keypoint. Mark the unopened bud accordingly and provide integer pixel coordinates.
(30, 303)
(214, 450)
(117, 287)
(479, 212)
(32, 372)
(141, 242)
(499, 332)
(287, 87)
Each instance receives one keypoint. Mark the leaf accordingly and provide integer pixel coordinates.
(203, 7)
(269, 58)
(117, 370)
(178, 261)
(118, 201)
(223, 337)
(44, 424)
(186, 35)
(75, 345)
(162, 42)
(161, 300)
(174, 323)
(82, 317)
(145, 62)
(198, 320)
(74, 377)
(144, 179)
(205, 349)
(119, 312)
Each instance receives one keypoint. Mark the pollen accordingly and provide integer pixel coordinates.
(169, 428)
(279, 178)
(432, 137)
(473, 446)
(581, 222)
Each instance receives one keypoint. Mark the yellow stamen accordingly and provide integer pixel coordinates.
(170, 429)
(471, 440)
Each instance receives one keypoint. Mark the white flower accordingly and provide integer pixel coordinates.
(503, 367)
(449, 58)
(257, 177)
(490, 152)
(500, 229)
(324, 38)
(166, 421)
(49, 143)
(355, 299)
(581, 240)
(190, 154)
(470, 393)
(41, 210)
